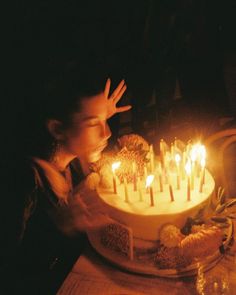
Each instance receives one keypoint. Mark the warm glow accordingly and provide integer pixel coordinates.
(177, 158)
(188, 167)
(134, 167)
(203, 162)
(115, 166)
(193, 153)
(149, 180)
(202, 151)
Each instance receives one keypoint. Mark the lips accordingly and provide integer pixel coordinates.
(101, 147)
(96, 154)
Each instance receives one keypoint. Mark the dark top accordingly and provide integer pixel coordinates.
(35, 255)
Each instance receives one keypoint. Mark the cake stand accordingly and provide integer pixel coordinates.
(147, 266)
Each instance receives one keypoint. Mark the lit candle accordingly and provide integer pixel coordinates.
(151, 158)
(177, 160)
(160, 177)
(149, 181)
(114, 166)
(171, 193)
(171, 190)
(183, 165)
(203, 172)
(193, 155)
(160, 182)
(139, 184)
(202, 178)
(197, 162)
(145, 171)
(134, 176)
(126, 190)
(202, 152)
(162, 153)
(188, 171)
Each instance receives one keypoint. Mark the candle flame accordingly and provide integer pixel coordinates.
(202, 151)
(177, 158)
(149, 180)
(115, 166)
(203, 162)
(193, 153)
(188, 167)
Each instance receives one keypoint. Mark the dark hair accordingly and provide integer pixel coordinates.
(57, 96)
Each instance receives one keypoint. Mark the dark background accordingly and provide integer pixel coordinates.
(153, 44)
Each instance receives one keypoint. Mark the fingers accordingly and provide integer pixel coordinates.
(118, 89)
(107, 87)
(119, 95)
(123, 109)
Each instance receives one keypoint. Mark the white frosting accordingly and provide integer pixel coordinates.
(145, 220)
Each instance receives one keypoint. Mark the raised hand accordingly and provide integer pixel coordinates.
(114, 98)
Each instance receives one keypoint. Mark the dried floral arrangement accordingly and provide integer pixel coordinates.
(130, 149)
(201, 236)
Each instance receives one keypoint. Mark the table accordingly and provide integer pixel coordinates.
(92, 275)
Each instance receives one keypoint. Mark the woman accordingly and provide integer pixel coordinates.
(43, 229)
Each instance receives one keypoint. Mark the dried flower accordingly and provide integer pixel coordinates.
(170, 236)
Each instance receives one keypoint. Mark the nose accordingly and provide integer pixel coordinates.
(106, 134)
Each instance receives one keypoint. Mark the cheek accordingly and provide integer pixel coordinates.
(83, 141)
(90, 138)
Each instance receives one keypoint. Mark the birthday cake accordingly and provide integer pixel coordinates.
(157, 203)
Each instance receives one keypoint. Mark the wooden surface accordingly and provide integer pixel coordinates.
(93, 275)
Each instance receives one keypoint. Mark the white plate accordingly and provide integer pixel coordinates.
(136, 266)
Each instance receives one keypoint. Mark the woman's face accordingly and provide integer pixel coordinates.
(88, 133)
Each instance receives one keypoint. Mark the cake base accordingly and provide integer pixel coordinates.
(144, 264)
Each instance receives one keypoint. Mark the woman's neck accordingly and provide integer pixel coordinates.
(84, 166)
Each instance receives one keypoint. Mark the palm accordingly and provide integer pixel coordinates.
(114, 98)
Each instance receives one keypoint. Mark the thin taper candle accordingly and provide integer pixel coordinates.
(134, 176)
(114, 167)
(171, 193)
(139, 189)
(177, 160)
(192, 176)
(188, 171)
(202, 177)
(149, 181)
(201, 185)
(126, 190)
(151, 196)
(151, 158)
(160, 176)
(188, 190)
(183, 165)
(114, 184)
(160, 183)
(162, 153)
